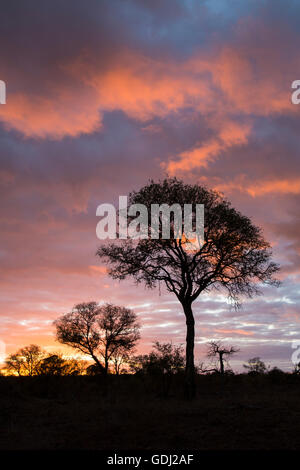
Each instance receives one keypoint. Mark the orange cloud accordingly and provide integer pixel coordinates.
(229, 135)
(144, 88)
(291, 186)
(63, 114)
(279, 186)
(236, 332)
(236, 74)
(98, 270)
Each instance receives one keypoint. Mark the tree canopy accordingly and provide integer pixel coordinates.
(234, 257)
(99, 331)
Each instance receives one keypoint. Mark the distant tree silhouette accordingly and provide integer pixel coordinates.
(276, 374)
(55, 364)
(202, 368)
(51, 365)
(162, 363)
(98, 331)
(94, 369)
(255, 366)
(25, 361)
(119, 359)
(165, 358)
(221, 352)
(234, 257)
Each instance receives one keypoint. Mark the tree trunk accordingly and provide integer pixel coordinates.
(98, 362)
(221, 364)
(106, 360)
(190, 386)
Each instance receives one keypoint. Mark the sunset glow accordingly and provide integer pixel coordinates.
(195, 94)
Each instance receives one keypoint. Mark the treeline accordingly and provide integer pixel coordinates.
(107, 335)
(165, 359)
(32, 360)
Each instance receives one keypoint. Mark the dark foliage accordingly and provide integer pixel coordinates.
(234, 256)
(99, 332)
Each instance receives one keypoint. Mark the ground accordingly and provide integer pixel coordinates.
(128, 412)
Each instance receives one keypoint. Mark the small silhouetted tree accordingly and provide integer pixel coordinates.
(165, 358)
(56, 364)
(255, 366)
(25, 361)
(94, 369)
(221, 352)
(163, 362)
(51, 365)
(120, 331)
(234, 256)
(120, 359)
(276, 374)
(98, 331)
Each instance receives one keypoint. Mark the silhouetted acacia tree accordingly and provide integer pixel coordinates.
(255, 366)
(165, 358)
(163, 362)
(218, 350)
(56, 364)
(94, 369)
(98, 331)
(234, 256)
(25, 361)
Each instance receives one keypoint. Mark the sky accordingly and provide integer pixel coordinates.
(102, 96)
